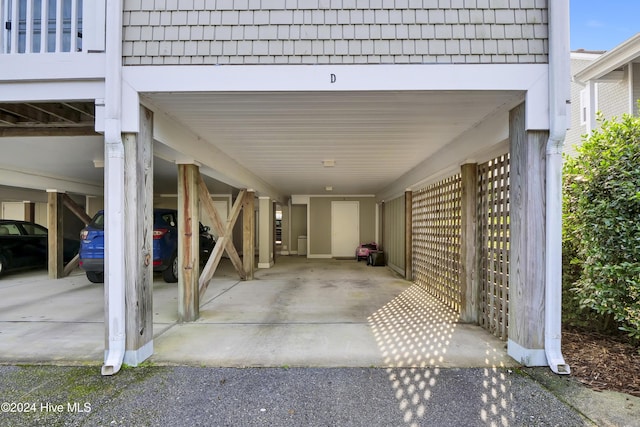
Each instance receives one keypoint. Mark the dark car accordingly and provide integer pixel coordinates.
(25, 244)
(165, 245)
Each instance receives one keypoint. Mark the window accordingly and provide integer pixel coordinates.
(34, 230)
(584, 106)
(278, 227)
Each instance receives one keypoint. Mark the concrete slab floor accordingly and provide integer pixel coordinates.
(301, 312)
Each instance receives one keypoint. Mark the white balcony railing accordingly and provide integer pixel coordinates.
(51, 26)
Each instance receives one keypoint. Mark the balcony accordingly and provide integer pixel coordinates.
(51, 26)
(51, 49)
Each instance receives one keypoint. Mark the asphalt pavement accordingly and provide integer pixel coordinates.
(196, 396)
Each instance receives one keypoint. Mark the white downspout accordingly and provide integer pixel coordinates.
(559, 99)
(114, 194)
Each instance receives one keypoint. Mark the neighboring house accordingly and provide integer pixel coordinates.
(420, 124)
(605, 82)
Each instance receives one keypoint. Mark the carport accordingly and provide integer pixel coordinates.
(284, 139)
(302, 312)
(383, 142)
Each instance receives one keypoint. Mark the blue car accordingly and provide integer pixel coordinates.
(165, 246)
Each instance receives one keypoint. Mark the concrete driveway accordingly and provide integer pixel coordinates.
(301, 312)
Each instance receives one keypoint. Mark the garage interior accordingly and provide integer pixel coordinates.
(331, 146)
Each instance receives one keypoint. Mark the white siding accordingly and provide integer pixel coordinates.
(394, 233)
(576, 129)
(636, 87)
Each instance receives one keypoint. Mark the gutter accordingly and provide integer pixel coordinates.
(114, 194)
(559, 102)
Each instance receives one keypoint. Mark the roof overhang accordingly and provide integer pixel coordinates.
(611, 62)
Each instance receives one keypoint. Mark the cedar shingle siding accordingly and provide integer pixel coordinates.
(169, 32)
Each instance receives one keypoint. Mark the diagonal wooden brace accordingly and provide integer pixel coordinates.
(224, 236)
(80, 213)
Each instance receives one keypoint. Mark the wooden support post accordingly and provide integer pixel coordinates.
(139, 243)
(248, 234)
(29, 211)
(188, 244)
(468, 240)
(527, 274)
(55, 238)
(408, 233)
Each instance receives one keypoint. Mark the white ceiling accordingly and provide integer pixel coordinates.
(283, 138)
(373, 137)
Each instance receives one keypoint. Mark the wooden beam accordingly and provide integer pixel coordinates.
(225, 241)
(469, 250)
(71, 265)
(76, 209)
(527, 241)
(248, 234)
(47, 131)
(8, 119)
(139, 243)
(219, 227)
(188, 243)
(55, 235)
(29, 211)
(57, 112)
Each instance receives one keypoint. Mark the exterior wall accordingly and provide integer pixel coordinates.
(298, 224)
(636, 87)
(576, 130)
(320, 220)
(613, 98)
(394, 233)
(329, 31)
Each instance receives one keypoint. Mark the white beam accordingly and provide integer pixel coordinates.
(51, 91)
(32, 67)
(215, 163)
(39, 181)
(231, 78)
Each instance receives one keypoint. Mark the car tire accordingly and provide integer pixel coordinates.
(95, 276)
(170, 274)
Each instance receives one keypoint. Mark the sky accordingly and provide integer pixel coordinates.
(603, 24)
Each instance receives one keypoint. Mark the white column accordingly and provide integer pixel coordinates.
(265, 233)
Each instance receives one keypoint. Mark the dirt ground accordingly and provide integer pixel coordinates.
(602, 362)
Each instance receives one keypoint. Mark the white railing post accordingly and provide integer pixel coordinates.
(20, 22)
(28, 39)
(3, 30)
(73, 36)
(14, 27)
(59, 18)
(44, 25)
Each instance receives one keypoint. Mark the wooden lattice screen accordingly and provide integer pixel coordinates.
(436, 233)
(493, 245)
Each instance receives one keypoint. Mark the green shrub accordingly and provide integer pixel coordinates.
(601, 236)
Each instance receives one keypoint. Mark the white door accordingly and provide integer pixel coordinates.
(345, 229)
(13, 210)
